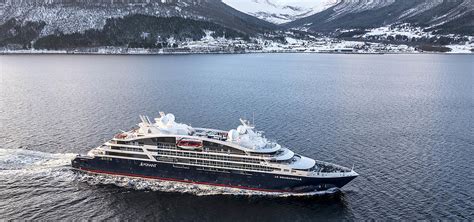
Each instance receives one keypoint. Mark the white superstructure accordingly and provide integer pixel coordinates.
(243, 148)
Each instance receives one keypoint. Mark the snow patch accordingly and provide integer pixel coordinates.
(281, 11)
(466, 48)
(208, 36)
(70, 19)
(402, 29)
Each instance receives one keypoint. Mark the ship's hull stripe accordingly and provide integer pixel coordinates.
(178, 180)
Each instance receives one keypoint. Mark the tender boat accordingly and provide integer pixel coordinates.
(189, 144)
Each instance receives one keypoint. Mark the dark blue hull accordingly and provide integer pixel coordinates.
(206, 175)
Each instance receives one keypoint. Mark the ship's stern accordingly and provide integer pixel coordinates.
(81, 161)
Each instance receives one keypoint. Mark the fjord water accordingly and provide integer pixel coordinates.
(404, 121)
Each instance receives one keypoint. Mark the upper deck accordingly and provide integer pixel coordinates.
(243, 138)
(168, 139)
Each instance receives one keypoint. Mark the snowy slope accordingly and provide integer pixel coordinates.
(350, 14)
(68, 16)
(281, 11)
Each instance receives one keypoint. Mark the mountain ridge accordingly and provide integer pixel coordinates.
(426, 13)
(95, 24)
(68, 16)
(442, 16)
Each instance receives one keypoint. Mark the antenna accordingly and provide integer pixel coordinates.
(148, 119)
(253, 118)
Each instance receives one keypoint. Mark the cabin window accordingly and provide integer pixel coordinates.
(217, 147)
(127, 155)
(126, 148)
(150, 141)
(166, 140)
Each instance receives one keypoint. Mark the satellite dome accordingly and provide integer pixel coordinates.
(241, 129)
(233, 134)
(170, 117)
(164, 120)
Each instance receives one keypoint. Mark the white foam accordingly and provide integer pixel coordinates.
(21, 159)
(179, 187)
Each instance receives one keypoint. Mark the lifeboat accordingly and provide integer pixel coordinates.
(189, 144)
(121, 136)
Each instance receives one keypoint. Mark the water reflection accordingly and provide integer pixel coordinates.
(404, 121)
(187, 207)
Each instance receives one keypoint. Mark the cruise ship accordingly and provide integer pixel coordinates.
(239, 158)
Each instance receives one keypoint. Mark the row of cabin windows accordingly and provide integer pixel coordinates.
(231, 165)
(215, 163)
(287, 161)
(213, 169)
(208, 146)
(208, 156)
(126, 148)
(222, 150)
(218, 149)
(164, 140)
(141, 156)
(166, 159)
(151, 141)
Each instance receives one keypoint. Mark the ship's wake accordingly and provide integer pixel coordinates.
(21, 162)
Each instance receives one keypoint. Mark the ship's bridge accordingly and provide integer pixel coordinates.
(245, 136)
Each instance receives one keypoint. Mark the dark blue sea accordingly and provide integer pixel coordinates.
(405, 122)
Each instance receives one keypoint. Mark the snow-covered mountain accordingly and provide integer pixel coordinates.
(281, 11)
(446, 16)
(121, 23)
(68, 16)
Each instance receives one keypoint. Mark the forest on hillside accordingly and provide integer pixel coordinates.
(133, 31)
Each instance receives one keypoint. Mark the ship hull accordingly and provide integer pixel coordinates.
(259, 181)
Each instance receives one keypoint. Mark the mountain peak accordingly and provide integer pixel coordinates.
(281, 11)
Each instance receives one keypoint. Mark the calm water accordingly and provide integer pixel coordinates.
(404, 121)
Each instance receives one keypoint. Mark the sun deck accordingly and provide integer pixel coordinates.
(210, 133)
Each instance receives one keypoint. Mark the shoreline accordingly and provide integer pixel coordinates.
(30, 52)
